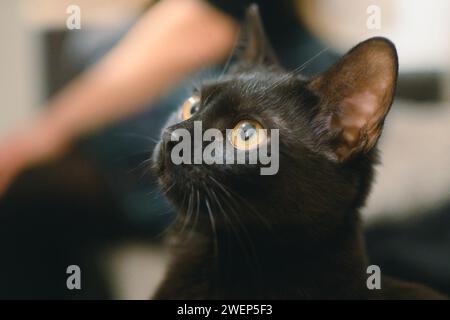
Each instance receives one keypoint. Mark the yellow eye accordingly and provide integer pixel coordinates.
(247, 134)
(190, 106)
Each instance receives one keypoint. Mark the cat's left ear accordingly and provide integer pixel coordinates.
(257, 49)
(356, 95)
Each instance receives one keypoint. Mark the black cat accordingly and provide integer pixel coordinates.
(295, 234)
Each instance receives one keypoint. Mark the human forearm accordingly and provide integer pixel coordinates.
(173, 39)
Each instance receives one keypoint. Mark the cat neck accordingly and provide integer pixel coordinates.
(284, 258)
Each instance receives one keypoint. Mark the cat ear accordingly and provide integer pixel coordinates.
(356, 95)
(257, 49)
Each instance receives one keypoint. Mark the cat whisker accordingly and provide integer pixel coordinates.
(189, 212)
(242, 200)
(213, 225)
(143, 165)
(155, 195)
(137, 135)
(159, 194)
(176, 221)
(168, 189)
(233, 229)
(307, 62)
(233, 201)
(251, 255)
(226, 66)
(196, 217)
(297, 70)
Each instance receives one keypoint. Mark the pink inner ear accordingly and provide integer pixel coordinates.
(358, 91)
(359, 109)
(357, 113)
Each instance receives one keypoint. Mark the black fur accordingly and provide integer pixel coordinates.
(295, 234)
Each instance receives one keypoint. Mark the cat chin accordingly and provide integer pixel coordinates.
(172, 179)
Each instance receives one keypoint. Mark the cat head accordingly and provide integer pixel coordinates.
(328, 127)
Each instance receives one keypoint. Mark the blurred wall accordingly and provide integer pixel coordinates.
(21, 65)
(419, 28)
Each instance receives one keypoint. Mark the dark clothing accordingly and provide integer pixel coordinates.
(236, 8)
(292, 42)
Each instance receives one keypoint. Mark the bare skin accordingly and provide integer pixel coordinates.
(170, 41)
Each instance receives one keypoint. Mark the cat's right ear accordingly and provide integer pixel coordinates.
(355, 97)
(257, 49)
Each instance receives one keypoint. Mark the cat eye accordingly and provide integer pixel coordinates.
(190, 106)
(247, 134)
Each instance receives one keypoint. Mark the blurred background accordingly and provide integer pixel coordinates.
(100, 208)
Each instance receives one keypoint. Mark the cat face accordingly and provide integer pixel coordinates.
(327, 128)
